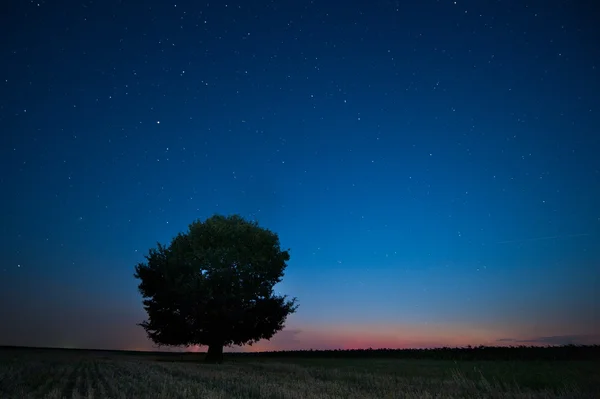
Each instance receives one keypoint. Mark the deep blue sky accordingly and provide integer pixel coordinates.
(432, 165)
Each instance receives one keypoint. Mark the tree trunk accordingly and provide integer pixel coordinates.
(214, 354)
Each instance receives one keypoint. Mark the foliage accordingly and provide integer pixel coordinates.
(213, 285)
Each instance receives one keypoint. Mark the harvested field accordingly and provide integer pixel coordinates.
(90, 374)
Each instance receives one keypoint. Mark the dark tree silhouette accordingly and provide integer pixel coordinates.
(213, 286)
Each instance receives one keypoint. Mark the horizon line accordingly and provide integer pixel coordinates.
(467, 347)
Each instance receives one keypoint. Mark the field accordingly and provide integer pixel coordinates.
(50, 373)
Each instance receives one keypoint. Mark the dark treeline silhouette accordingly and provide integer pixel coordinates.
(566, 352)
(492, 353)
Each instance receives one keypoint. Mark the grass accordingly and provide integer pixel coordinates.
(30, 373)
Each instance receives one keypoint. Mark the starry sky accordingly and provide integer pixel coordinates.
(433, 166)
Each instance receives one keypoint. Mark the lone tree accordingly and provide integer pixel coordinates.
(213, 286)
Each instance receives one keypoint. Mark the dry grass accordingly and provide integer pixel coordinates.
(60, 374)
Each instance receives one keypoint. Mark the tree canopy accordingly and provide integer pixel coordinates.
(213, 286)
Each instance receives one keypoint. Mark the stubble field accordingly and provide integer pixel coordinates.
(95, 374)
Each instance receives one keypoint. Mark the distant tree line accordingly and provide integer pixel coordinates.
(492, 353)
(566, 352)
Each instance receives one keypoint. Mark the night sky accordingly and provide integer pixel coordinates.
(432, 165)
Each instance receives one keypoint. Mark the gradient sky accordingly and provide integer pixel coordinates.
(432, 165)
